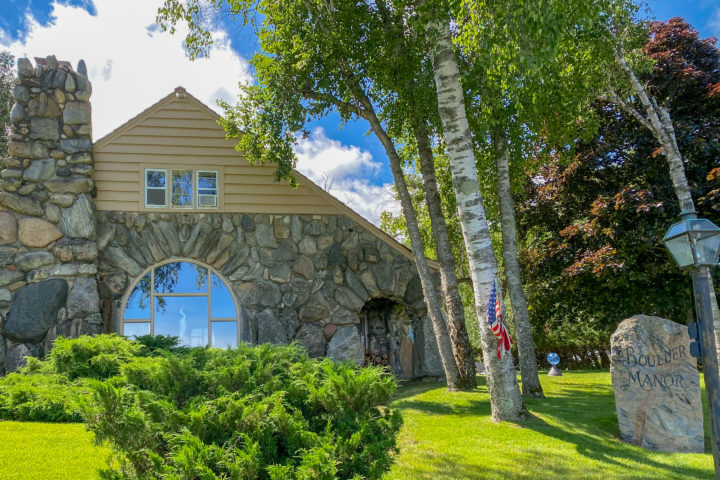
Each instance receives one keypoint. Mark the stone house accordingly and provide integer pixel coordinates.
(162, 227)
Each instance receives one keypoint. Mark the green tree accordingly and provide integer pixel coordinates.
(591, 227)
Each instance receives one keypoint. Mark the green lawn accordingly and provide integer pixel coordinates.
(574, 434)
(48, 451)
(446, 436)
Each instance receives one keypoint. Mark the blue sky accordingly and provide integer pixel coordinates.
(132, 65)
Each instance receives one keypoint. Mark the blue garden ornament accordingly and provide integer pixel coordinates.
(553, 359)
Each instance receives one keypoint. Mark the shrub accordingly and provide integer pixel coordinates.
(158, 342)
(99, 356)
(265, 412)
(53, 390)
(251, 412)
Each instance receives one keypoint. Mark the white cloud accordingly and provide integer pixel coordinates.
(346, 172)
(714, 23)
(131, 64)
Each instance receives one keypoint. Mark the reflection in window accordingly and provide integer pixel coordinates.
(185, 300)
(155, 187)
(207, 188)
(181, 189)
(134, 330)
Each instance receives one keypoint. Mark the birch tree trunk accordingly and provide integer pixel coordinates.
(523, 331)
(657, 120)
(462, 350)
(431, 295)
(505, 400)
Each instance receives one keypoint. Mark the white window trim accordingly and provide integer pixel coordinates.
(217, 190)
(165, 188)
(208, 294)
(192, 189)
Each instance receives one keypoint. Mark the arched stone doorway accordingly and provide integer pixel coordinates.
(389, 335)
(184, 299)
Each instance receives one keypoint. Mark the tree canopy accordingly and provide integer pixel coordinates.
(591, 227)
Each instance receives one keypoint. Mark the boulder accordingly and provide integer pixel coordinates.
(45, 129)
(40, 170)
(36, 259)
(15, 355)
(27, 150)
(657, 386)
(8, 228)
(312, 337)
(265, 236)
(75, 250)
(20, 204)
(315, 309)
(78, 221)
(37, 233)
(83, 299)
(346, 344)
(348, 299)
(303, 267)
(8, 277)
(269, 329)
(34, 310)
(76, 113)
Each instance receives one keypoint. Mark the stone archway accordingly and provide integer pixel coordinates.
(388, 334)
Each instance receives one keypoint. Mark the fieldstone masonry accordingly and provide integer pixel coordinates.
(65, 268)
(47, 216)
(657, 386)
(297, 277)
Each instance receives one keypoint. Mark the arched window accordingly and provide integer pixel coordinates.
(183, 299)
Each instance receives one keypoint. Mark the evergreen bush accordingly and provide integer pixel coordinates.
(264, 412)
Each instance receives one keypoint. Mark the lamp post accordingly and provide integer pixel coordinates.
(694, 243)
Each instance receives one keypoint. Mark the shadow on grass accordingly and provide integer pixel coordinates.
(582, 415)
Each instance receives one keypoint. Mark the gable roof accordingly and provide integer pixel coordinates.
(210, 120)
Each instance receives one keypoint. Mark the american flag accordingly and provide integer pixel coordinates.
(495, 321)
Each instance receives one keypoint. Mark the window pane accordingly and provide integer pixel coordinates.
(133, 330)
(180, 277)
(183, 317)
(207, 182)
(224, 334)
(181, 190)
(155, 178)
(138, 304)
(222, 305)
(155, 196)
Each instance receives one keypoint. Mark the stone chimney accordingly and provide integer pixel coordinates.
(47, 214)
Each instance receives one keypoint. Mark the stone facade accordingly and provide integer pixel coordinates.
(66, 268)
(306, 278)
(47, 216)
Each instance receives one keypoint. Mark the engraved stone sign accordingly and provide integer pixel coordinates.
(657, 386)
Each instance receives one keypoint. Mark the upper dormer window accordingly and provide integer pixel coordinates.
(207, 188)
(183, 184)
(181, 188)
(155, 187)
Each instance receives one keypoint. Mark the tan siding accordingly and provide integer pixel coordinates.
(177, 132)
(183, 133)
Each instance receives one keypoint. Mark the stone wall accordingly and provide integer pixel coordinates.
(47, 215)
(296, 277)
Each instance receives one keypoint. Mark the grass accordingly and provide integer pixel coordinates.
(573, 434)
(48, 451)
